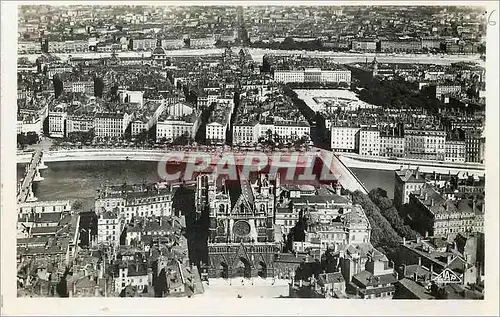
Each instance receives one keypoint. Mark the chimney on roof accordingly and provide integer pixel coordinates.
(415, 276)
(419, 261)
(449, 258)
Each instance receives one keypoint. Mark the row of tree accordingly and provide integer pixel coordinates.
(383, 236)
(81, 136)
(387, 209)
(27, 139)
(396, 93)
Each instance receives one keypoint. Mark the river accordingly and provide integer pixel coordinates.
(258, 53)
(79, 180)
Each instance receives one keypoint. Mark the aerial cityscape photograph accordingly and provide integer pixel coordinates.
(259, 151)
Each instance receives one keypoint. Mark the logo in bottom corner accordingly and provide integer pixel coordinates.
(448, 277)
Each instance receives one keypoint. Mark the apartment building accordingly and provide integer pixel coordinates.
(344, 139)
(406, 182)
(171, 129)
(57, 123)
(144, 44)
(111, 124)
(455, 151)
(291, 131)
(365, 45)
(425, 144)
(134, 274)
(369, 142)
(135, 200)
(109, 227)
(245, 134)
(400, 45)
(392, 143)
(79, 123)
(216, 132)
(436, 215)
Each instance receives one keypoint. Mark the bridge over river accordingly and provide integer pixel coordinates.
(31, 174)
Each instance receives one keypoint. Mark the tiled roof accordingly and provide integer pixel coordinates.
(368, 279)
(415, 288)
(331, 278)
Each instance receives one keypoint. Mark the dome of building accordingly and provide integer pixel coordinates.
(159, 51)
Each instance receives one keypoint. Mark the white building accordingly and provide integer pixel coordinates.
(336, 76)
(289, 76)
(369, 142)
(111, 124)
(132, 274)
(171, 129)
(57, 123)
(329, 229)
(30, 123)
(46, 206)
(137, 127)
(135, 201)
(146, 44)
(179, 109)
(109, 227)
(29, 47)
(445, 89)
(454, 151)
(343, 139)
(364, 45)
(79, 86)
(216, 132)
(245, 134)
(291, 131)
(82, 123)
(312, 75)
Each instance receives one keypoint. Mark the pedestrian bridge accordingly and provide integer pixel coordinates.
(31, 174)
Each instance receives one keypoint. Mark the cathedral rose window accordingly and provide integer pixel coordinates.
(241, 228)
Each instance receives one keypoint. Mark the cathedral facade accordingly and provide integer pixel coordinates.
(241, 241)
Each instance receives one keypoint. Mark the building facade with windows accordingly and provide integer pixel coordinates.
(343, 139)
(132, 201)
(406, 182)
(111, 124)
(425, 144)
(369, 142)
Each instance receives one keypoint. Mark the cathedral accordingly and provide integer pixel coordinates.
(241, 241)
